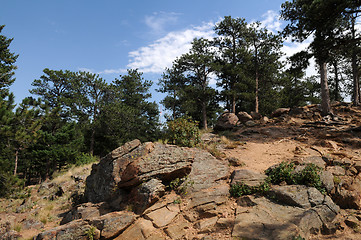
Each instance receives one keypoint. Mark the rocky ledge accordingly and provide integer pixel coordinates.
(159, 191)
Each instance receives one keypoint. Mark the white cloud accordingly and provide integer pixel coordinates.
(155, 57)
(271, 20)
(159, 20)
(113, 71)
(85, 70)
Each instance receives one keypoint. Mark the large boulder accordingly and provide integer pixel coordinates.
(279, 112)
(227, 121)
(302, 211)
(134, 163)
(244, 117)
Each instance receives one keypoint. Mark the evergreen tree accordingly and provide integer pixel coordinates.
(232, 61)
(7, 64)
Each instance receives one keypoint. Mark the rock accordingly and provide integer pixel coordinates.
(113, 177)
(280, 111)
(163, 216)
(206, 171)
(226, 121)
(347, 199)
(256, 115)
(11, 235)
(268, 220)
(206, 225)
(233, 161)
(316, 160)
(77, 229)
(102, 182)
(112, 224)
(336, 170)
(247, 177)
(147, 194)
(357, 165)
(352, 222)
(32, 224)
(250, 123)
(296, 195)
(177, 230)
(142, 229)
(85, 211)
(327, 180)
(244, 117)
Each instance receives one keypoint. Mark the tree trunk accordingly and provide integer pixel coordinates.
(355, 78)
(204, 116)
(256, 98)
(16, 161)
(233, 104)
(92, 140)
(325, 94)
(337, 82)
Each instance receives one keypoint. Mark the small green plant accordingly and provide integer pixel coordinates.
(281, 173)
(177, 201)
(183, 132)
(240, 189)
(90, 233)
(298, 238)
(180, 185)
(284, 172)
(336, 180)
(18, 227)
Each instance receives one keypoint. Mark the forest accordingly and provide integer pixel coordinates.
(77, 117)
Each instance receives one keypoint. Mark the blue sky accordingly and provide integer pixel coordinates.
(109, 36)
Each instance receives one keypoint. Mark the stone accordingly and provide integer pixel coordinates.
(216, 195)
(206, 225)
(206, 171)
(136, 164)
(327, 180)
(357, 165)
(266, 219)
(112, 224)
(11, 235)
(74, 230)
(227, 121)
(292, 195)
(244, 117)
(256, 115)
(142, 229)
(352, 221)
(178, 229)
(84, 211)
(316, 160)
(247, 177)
(225, 223)
(279, 112)
(336, 170)
(250, 123)
(102, 182)
(32, 224)
(233, 161)
(163, 216)
(147, 194)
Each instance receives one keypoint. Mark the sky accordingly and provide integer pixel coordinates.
(108, 37)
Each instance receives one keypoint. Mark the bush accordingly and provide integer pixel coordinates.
(10, 184)
(183, 132)
(309, 176)
(282, 173)
(240, 189)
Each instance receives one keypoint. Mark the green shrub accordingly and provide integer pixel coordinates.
(10, 184)
(85, 158)
(309, 176)
(240, 189)
(282, 173)
(183, 132)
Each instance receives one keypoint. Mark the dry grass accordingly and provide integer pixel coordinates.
(230, 144)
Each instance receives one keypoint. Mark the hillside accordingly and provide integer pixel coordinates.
(159, 191)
